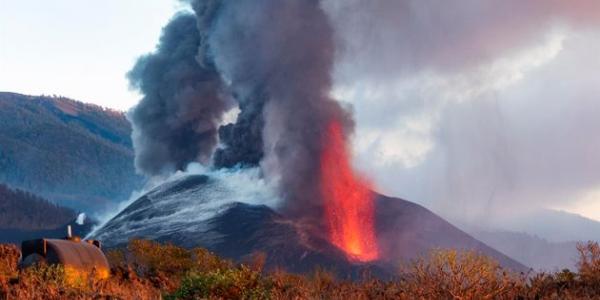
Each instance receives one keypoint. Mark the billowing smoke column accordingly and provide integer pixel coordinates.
(242, 140)
(177, 120)
(275, 58)
(282, 51)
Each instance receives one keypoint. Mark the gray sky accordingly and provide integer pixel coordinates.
(468, 107)
(474, 108)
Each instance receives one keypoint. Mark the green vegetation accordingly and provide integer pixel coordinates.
(234, 283)
(149, 270)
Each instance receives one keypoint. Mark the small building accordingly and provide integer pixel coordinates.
(71, 252)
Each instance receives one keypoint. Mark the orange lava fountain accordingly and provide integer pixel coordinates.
(349, 207)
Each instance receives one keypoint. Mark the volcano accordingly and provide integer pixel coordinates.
(207, 211)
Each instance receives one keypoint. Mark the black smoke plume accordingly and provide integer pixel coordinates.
(177, 120)
(276, 58)
(242, 141)
(282, 50)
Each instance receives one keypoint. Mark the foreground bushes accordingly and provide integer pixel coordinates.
(148, 270)
(237, 283)
(56, 282)
(459, 275)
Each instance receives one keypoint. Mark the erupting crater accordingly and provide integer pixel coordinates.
(348, 200)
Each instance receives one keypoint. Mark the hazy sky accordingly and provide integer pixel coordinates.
(77, 48)
(475, 108)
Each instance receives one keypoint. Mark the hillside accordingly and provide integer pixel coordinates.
(23, 210)
(212, 212)
(78, 155)
(26, 216)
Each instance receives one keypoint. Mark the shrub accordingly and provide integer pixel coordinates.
(152, 258)
(589, 263)
(9, 257)
(449, 274)
(237, 283)
(205, 261)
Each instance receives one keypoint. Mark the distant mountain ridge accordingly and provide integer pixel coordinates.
(530, 250)
(19, 209)
(556, 225)
(75, 154)
(544, 239)
(26, 216)
(16, 236)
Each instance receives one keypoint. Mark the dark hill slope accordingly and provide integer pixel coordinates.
(19, 209)
(76, 154)
(407, 230)
(26, 216)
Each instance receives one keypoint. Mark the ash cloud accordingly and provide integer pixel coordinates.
(275, 59)
(242, 141)
(278, 57)
(387, 38)
(177, 120)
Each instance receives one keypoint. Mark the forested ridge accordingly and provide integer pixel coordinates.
(23, 210)
(75, 154)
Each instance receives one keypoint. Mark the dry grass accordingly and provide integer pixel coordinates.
(149, 270)
(459, 275)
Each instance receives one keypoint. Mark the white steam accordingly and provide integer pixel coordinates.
(226, 187)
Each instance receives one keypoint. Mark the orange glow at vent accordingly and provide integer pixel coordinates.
(349, 207)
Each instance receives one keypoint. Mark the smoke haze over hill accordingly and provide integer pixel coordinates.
(474, 108)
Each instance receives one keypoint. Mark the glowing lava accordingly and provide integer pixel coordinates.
(349, 207)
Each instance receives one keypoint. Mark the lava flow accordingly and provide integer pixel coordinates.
(349, 207)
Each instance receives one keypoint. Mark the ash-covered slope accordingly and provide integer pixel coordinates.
(209, 212)
(205, 211)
